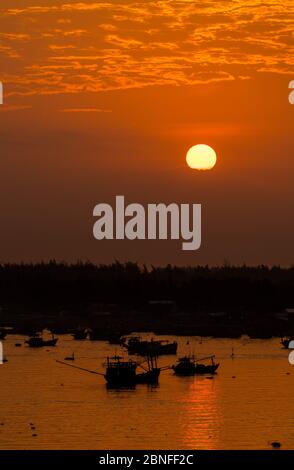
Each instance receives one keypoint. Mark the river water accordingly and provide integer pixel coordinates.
(46, 405)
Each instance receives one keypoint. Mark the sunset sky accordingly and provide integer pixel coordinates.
(105, 98)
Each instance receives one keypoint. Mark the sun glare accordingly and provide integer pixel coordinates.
(201, 157)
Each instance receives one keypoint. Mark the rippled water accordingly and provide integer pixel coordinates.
(246, 405)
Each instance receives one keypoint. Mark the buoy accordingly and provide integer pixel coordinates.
(276, 444)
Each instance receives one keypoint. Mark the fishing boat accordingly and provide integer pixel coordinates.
(121, 373)
(39, 342)
(188, 365)
(80, 334)
(286, 342)
(151, 372)
(154, 347)
(70, 358)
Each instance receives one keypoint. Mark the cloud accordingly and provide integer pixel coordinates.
(13, 107)
(128, 44)
(14, 36)
(85, 110)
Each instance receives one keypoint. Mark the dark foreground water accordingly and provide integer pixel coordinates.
(246, 405)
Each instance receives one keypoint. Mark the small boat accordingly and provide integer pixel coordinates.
(188, 365)
(154, 347)
(70, 358)
(39, 342)
(285, 342)
(121, 373)
(80, 334)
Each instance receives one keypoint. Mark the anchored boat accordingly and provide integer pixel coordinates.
(154, 347)
(188, 365)
(39, 342)
(120, 373)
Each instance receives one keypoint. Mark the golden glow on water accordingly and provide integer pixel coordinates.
(73, 410)
(202, 420)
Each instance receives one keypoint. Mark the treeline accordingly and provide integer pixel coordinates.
(56, 285)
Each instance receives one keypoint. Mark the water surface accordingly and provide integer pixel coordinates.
(246, 405)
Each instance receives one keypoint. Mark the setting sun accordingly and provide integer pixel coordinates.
(201, 157)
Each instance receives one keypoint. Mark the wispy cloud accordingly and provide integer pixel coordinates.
(13, 107)
(85, 110)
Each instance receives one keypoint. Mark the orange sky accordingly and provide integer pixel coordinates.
(105, 98)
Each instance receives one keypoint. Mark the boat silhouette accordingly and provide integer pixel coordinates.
(70, 358)
(39, 342)
(120, 373)
(188, 365)
(154, 347)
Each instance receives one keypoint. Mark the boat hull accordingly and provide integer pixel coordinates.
(150, 377)
(197, 369)
(152, 348)
(33, 343)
